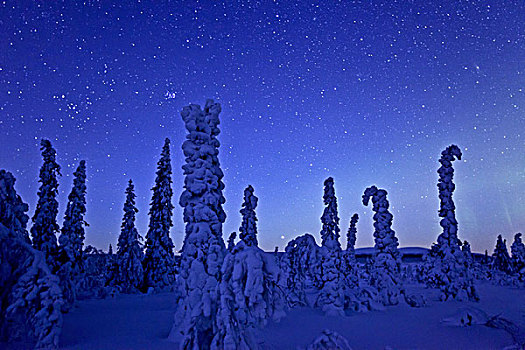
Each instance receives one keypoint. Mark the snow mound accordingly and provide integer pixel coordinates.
(329, 340)
(468, 316)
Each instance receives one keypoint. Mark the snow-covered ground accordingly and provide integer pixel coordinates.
(144, 321)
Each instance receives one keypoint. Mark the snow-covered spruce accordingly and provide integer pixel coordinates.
(300, 263)
(129, 250)
(385, 273)
(500, 258)
(349, 266)
(518, 252)
(248, 229)
(469, 259)
(351, 236)
(447, 269)
(45, 225)
(203, 249)
(249, 291)
(249, 296)
(331, 296)
(30, 294)
(446, 186)
(95, 273)
(12, 209)
(330, 219)
(69, 260)
(159, 259)
(231, 241)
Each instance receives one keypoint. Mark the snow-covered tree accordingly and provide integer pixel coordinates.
(45, 225)
(351, 235)
(248, 229)
(69, 259)
(500, 258)
(349, 266)
(249, 296)
(385, 274)
(300, 262)
(249, 292)
(518, 252)
(448, 270)
(330, 219)
(331, 297)
(203, 249)
(469, 259)
(159, 259)
(129, 250)
(73, 234)
(231, 241)
(12, 209)
(95, 273)
(446, 186)
(31, 297)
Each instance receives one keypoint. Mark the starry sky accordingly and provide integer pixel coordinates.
(368, 92)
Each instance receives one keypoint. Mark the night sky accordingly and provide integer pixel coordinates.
(368, 92)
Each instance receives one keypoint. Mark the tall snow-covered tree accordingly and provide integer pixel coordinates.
(330, 219)
(331, 297)
(351, 236)
(448, 270)
(45, 225)
(248, 229)
(349, 266)
(203, 249)
(518, 252)
(231, 241)
(73, 234)
(159, 259)
(129, 250)
(447, 211)
(31, 297)
(248, 291)
(500, 258)
(385, 274)
(12, 209)
(69, 261)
